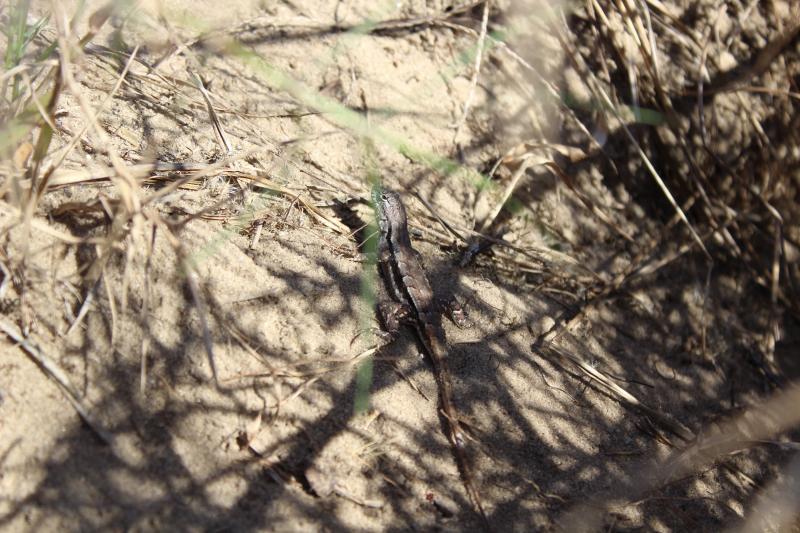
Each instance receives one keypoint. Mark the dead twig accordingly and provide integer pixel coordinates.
(52, 370)
(476, 71)
(628, 399)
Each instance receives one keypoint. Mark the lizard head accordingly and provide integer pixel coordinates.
(388, 206)
(393, 208)
(390, 200)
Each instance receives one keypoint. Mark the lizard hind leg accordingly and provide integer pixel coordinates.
(390, 313)
(383, 335)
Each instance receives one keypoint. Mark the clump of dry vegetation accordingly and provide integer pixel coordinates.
(183, 208)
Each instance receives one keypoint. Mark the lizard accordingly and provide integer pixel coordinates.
(413, 297)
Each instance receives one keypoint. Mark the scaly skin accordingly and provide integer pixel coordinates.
(412, 291)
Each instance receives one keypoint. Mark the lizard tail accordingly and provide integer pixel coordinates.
(457, 442)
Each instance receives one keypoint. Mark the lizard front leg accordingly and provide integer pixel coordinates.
(455, 312)
(392, 313)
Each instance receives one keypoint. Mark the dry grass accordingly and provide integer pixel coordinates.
(712, 206)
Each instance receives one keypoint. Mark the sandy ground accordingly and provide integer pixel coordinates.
(265, 432)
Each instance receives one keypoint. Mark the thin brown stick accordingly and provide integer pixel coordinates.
(52, 370)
